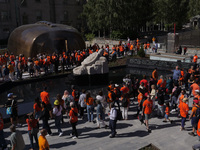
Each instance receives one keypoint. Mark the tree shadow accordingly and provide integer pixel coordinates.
(138, 133)
(64, 144)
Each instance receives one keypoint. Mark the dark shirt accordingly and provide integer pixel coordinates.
(14, 105)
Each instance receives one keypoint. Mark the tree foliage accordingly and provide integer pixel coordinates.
(131, 15)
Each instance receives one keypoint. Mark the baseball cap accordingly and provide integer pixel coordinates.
(10, 95)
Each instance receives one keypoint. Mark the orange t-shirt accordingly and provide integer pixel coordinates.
(73, 94)
(194, 109)
(36, 107)
(140, 97)
(194, 87)
(109, 100)
(147, 106)
(183, 109)
(181, 98)
(167, 111)
(195, 59)
(154, 74)
(90, 101)
(198, 128)
(45, 97)
(161, 83)
(43, 143)
(124, 89)
(74, 117)
(31, 123)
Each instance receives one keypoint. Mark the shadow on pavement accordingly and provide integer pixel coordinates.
(60, 145)
(138, 133)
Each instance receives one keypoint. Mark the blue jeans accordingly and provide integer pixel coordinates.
(57, 123)
(160, 111)
(90, 109)
(183, 122)
(31, 139)
(2, 140)
(112, 126)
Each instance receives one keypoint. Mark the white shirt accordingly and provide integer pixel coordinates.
(81, 100)
(57, 112)
(113, 114)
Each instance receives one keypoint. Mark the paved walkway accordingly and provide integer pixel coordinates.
(130, 135)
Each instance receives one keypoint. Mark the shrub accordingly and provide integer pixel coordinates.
(141, 52)
(90, 36)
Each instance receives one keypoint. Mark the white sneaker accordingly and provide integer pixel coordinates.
(74, 137)
(61, 133)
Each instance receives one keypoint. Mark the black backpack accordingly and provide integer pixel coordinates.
(124, 102)
(198, 113)
(118, 93)
(119, 115)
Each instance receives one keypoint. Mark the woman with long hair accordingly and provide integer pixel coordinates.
(90, 106)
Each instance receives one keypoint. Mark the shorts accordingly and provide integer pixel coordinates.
(194, 122)
(49, 107)
(147, 116)
(166, 116)
(14, 114)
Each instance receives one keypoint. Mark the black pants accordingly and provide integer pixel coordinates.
(74, 131)
(45, 125)
(112, 126)
(82, 111)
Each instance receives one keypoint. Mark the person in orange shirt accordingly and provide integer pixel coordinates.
(155, 74)
(140, 98)
(161, 82)
(90, 107)
(197, 146)
(2, 138)
(194, 87)
(181, 79)
(45, 98)
(194, 119)
(146, 110)
(37, 108)
(75, 94)
(195, 58)
(73, 114)
(125, 105)
(183, 112)
(167, 112)
(43, 143)
(182, 96)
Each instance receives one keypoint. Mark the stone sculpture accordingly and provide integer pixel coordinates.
(92, 65)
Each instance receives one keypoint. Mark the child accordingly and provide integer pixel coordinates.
(167, 111)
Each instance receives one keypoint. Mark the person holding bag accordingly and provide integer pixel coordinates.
(57, 111)
(32, 129)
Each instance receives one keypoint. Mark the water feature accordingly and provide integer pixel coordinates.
(28, 92)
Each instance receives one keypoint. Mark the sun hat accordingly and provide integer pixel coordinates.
(56, 102)
(185, 99)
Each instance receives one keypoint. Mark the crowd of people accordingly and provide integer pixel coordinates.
(12, 67)
(157, 96)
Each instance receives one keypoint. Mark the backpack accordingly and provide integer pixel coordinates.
(198, 113)
(77, 94)
(124, 102)
(118, 93)
(119, 114)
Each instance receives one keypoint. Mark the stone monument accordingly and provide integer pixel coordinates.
(93, 70)
(172, 42)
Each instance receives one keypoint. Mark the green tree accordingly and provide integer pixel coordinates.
(194, 8)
